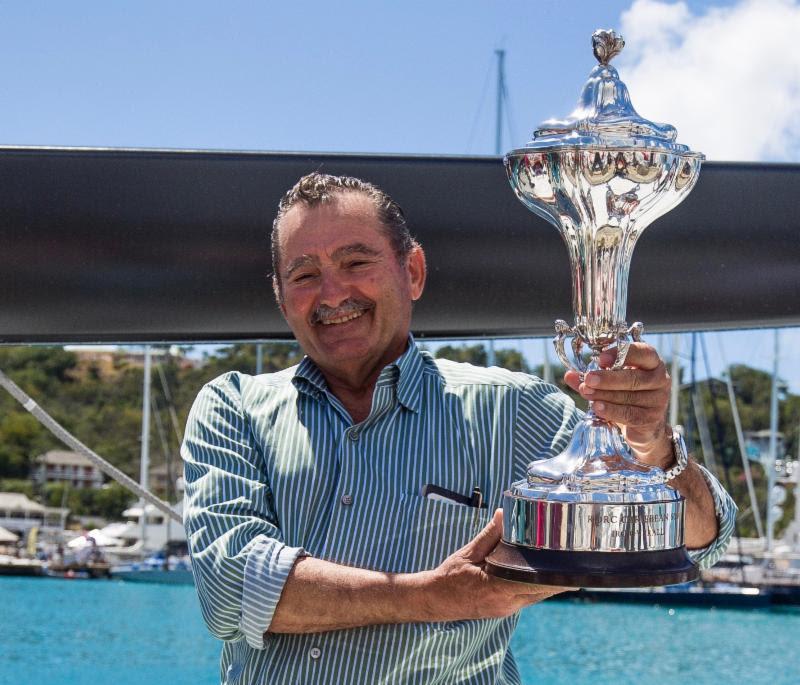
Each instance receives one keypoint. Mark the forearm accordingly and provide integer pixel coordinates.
(702, 526)
(319, 596)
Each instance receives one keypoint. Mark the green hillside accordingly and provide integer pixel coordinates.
(99, 401)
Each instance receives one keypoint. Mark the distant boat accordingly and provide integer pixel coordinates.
(14, 566)
(690, 594)
(756, 579)
(75, 570)
(776, 573)
(156, 569)
(161, 533)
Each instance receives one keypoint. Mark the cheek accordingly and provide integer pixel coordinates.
(296, 304)
(366, 287)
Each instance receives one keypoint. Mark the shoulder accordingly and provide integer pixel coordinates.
(460, 374)
(532, 394)
(235, 387)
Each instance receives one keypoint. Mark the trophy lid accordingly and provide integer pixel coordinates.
(605, 117)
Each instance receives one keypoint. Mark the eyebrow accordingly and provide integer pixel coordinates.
(355, 248)
(344, 251)
(295, 264)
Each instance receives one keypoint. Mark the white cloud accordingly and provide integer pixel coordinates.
(727, 79)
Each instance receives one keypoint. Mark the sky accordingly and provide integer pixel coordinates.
(403, 77)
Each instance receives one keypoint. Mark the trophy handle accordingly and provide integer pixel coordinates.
(564, 331)
(624, 338)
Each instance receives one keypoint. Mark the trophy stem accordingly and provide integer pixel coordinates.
(597, 456)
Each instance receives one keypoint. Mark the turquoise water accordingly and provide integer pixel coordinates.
(87, 632)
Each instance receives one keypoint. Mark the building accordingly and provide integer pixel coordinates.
(58, 466)
(19, 514)
(158, 477)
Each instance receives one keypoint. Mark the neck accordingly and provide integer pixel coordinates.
(354, 387)
(357, 400)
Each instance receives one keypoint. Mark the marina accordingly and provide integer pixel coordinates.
(83, 633)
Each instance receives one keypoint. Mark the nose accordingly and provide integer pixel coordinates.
(333, 289)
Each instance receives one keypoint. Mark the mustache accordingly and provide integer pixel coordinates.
(349, 306)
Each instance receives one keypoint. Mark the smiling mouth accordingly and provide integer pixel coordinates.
(344, 318)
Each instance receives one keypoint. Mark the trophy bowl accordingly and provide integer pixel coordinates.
(594, 516)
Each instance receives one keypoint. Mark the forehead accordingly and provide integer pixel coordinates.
(346, 219)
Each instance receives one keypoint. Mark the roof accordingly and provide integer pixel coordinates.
(15, 501)
(7, 535)
(63, 458)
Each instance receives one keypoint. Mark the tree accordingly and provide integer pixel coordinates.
(470, 354)
(111, 500)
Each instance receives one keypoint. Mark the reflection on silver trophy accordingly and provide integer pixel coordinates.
(593, 515)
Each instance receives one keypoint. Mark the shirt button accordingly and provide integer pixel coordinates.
(315, 653)
(354, 435)
(347, 500)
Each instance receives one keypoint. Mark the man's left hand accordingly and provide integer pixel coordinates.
(635, 397)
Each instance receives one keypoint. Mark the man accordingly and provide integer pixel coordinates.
(316, 557)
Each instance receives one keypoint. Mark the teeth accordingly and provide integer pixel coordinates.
(342, 319)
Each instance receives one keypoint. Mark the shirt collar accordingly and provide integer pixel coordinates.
(405, 373)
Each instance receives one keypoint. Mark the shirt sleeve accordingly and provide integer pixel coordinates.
(239, 560)
(725, 509)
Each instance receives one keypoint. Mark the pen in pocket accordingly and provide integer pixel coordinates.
(436, 492)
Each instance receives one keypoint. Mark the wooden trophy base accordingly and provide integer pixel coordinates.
(591, 569)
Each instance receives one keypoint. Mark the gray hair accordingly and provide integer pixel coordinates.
(315, 188)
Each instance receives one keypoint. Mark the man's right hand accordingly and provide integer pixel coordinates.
(460, 588)
(320, 595)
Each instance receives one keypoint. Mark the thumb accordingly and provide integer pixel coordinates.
(485, 541)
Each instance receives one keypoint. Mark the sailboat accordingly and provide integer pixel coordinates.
(157, 546)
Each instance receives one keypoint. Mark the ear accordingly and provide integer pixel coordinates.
(417, 271)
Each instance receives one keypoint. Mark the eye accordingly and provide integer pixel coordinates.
(301, 277)
(356, 263)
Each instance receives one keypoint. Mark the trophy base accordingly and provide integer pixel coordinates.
(591, 569)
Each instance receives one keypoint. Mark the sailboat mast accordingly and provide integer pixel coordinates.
(737, 423)
(796, 539)
(547, 369)
(675, 372)
(144, 461)
(773, 441)
(491, 358)
(501, 92)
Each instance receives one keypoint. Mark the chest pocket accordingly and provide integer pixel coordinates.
(434, 530)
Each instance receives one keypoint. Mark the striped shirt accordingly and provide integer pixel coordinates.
(275, 468)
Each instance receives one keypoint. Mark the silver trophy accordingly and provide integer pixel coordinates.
(593, 516)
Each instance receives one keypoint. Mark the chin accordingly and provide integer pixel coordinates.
(345, 352)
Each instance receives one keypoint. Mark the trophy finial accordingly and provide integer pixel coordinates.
(606, 45)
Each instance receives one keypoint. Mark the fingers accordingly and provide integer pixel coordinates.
(627, 379)
(573, 379)
(643, 370)
(634, 396)
(630, 415)
(484, 542)
(645, 399)
(640, 355)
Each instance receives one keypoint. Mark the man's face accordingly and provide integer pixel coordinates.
(346, 296)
